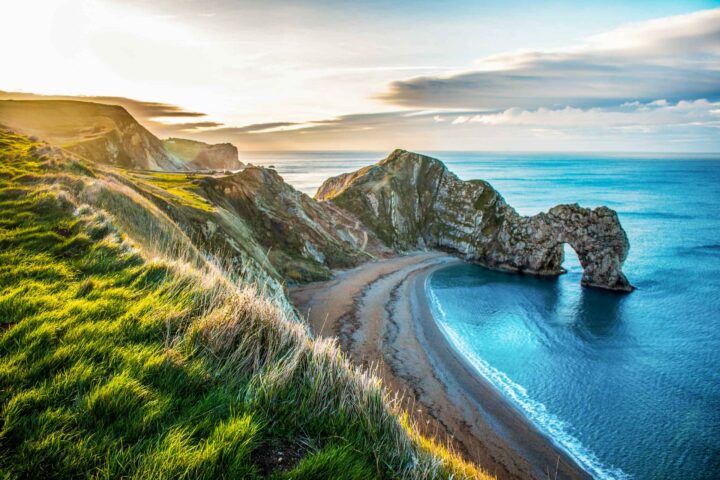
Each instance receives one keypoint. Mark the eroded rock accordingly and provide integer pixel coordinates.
(303, 240)
(413, 201)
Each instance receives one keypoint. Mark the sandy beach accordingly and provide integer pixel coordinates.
(380, 314)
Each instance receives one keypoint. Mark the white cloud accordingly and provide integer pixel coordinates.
(637, 115)
(673, 58)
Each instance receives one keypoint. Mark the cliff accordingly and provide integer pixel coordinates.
(413, 201)
(251, 220)
(202, 156)
(406, 201)
(105, 134)
(303, 239)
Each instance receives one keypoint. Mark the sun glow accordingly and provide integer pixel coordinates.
(267, 75)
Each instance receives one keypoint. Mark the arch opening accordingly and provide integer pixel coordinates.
(570, 261)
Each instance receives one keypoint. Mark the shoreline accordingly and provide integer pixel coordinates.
(381, 315)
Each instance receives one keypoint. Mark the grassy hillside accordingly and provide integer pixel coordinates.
(126, 353)
(251, 220)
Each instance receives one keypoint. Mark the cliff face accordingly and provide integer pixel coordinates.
(101, 133)
(252, 222)
(303, 239)
(202, 156)
(413, 201)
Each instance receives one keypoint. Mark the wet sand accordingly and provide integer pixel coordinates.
(380, 314)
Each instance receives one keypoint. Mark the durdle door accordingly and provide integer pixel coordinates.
(413, 201)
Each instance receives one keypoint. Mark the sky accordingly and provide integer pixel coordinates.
(371, 75)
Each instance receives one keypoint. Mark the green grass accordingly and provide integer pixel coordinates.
(120, 365)
(89, 384)
(179, 185)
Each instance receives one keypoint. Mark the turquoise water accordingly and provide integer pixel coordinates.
(628, 384)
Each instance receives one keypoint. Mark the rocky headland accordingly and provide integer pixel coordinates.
(303, 240)
(412, 201)
(108, 134)
(105, 134)
(403, 203)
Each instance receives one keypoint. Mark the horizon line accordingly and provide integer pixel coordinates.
(561, 152)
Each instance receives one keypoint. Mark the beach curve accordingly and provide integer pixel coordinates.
(381, 315)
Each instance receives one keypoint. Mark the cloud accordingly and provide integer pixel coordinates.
(656, 125)
(269, 127)
(674, 58)
(195, 126)
(637, 115)
(351, 121)
(140, 109)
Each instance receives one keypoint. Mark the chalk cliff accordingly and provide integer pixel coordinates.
(413, 201)
(108, 134)
(303, 239)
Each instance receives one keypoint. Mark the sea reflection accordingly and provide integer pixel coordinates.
(598, 313)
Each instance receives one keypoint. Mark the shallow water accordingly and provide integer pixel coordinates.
(628, 384)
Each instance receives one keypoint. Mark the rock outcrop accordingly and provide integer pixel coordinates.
(203, 156)
(413, 201)
(303, 239)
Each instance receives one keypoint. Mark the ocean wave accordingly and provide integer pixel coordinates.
(553, 427)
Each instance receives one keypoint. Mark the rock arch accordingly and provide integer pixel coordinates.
(413, 201)
(535, 244)
(599, 241)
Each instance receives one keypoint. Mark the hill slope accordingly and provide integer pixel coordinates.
(128, 352)
(101, 133)
(250, 218)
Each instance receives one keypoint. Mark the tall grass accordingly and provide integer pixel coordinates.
(128, 357)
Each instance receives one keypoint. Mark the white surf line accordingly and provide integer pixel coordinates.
(550, 425)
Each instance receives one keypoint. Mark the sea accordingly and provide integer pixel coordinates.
(627, 384)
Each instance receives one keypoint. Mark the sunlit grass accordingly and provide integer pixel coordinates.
(120, 364)
(179, 185)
